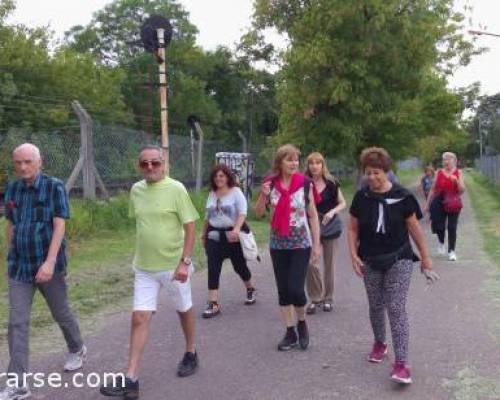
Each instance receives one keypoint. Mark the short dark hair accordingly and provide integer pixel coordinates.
(152, 147)
(375, 157)
(231, 182)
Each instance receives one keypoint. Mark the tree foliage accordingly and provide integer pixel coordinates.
(37, 85)
(485, 125)
(216, 86)
(366, 72)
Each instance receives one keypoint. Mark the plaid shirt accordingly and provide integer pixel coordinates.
(31, 210)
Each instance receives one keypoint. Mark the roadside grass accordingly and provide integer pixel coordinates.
(409, 177)
(101, 244)
(485, 198)
(486, 201)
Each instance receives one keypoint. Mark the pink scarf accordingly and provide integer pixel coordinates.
(281, 217)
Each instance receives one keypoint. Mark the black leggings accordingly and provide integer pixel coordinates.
(452, 222)
(290, 270)
(217, 252)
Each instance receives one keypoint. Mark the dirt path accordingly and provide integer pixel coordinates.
(453, 349)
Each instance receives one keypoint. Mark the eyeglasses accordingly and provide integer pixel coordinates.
(144, 164)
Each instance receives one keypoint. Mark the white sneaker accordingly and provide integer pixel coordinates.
(452, 256)
(15, 393)
(75, 361)
(441, 250)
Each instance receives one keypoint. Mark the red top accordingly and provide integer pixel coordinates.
(445, 184)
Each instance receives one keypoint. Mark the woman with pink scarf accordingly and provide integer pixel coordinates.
(294, 239)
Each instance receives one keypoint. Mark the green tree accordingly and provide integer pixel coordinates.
(37, 84)
(221, 89)
(366, 72)
(485, 125)
(113, 34)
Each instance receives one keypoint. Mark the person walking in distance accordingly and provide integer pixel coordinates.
(320, 289)
(444, 203)
(294, 239)
(427, 180)
(383, 217)
(226, 211)
(165, 235)
(36, 207)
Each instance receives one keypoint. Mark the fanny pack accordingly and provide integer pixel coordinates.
(384, 262)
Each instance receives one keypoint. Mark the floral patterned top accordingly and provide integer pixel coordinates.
(300, 234)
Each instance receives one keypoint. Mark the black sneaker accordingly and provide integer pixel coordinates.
(250, 296)
(188, 364)
(127, 389)
(289, 341)
(303, 334)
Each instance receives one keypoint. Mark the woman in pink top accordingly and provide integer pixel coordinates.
(294, 239)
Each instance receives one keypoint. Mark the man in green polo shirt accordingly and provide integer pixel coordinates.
(165, 228)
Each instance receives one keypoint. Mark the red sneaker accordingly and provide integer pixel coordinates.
(378, 353)
(401, 373)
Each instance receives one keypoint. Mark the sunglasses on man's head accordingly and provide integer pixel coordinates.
(144, 164)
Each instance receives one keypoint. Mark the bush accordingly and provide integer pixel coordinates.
(89, 218)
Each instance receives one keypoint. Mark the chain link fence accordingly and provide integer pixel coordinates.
(490, 167)
(116, 150)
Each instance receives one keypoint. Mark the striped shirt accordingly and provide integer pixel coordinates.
(31, 210)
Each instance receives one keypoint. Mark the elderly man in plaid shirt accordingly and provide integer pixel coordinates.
(36, 207)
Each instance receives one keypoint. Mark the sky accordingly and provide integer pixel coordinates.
(222, 22)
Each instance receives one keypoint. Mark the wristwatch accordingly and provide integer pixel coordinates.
(186, 260)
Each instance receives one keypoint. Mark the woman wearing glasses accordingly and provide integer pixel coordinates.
(226, 211)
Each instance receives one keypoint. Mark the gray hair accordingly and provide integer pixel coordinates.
(449, 155)
(35, 151)
(152, 147)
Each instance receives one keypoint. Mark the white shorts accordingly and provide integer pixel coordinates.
(147, 286)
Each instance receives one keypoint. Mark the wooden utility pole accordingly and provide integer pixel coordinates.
(163, 98)
(86, 162)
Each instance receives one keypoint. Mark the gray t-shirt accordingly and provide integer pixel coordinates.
(223, 212)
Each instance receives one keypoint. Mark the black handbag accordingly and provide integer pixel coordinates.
(332, 230)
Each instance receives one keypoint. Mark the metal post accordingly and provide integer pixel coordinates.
(163, 98)
(480, 138)
(193, 157)
(86, 151)
(244, 143)
(86, 162)
(200, 155)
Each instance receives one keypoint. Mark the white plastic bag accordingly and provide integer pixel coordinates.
(249, 246)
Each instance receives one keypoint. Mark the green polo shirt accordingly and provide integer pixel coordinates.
(160, 210)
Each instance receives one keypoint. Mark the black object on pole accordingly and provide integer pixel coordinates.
(149, 35)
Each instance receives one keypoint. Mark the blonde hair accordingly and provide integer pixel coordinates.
(282, 153)
(450, 155)
(325, 173)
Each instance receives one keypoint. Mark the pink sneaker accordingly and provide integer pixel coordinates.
(401, 373)
(378, 353)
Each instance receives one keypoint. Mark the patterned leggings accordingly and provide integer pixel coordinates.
(388, 290)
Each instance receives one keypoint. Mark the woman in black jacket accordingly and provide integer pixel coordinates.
(383, 216)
